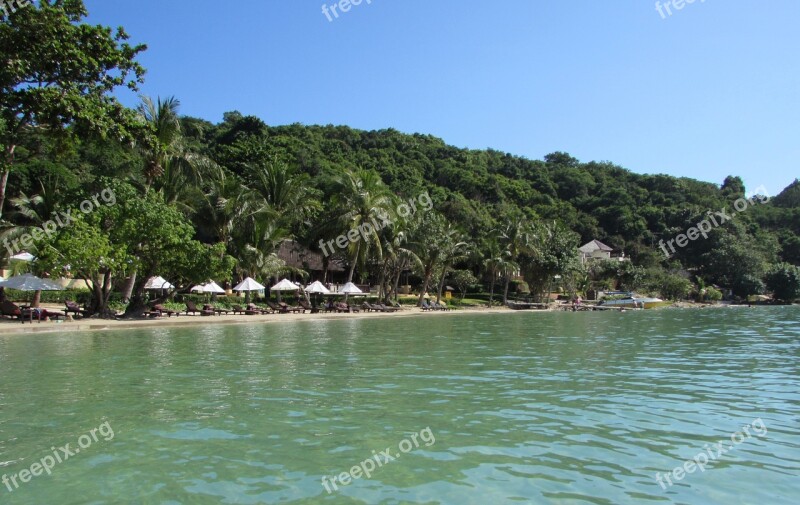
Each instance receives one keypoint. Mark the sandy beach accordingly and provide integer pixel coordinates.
(14, 327)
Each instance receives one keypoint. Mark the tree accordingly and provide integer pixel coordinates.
(57, 72)
(363, 201)
(463, 279)
(784, 282)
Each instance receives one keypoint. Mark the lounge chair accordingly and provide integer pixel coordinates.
(387, 308)
(216, 310)
(440, 306)
(191, 308)
(74, 308)
(260, 310)
(425, 306)
(237, 309)
(11, 310)
(163, 310)
(276, 308)
(283, 305)
(309, 308)
(368, 307)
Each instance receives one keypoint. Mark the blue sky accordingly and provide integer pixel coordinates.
(712, 90)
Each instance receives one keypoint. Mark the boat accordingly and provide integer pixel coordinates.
(632, 302)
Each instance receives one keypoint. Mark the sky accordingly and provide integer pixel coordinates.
(705, 91)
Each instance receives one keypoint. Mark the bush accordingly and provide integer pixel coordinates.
(784, 282)
(81, 296)
(712, 294)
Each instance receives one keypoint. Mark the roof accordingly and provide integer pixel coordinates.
(297, 256)
(595, 245)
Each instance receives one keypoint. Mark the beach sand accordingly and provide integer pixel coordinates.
(14, 327)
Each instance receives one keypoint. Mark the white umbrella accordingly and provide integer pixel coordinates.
(23, 256)
(317, 287)
(249, 285)
(157, 282)
(209, 287)
(350, 289)
(29, 282)
(285, 285)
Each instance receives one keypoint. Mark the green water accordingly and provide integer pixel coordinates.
(569, 408)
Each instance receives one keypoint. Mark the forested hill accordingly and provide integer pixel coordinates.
(484, 189)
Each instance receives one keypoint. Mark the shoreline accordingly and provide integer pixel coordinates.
(14, 327)
(11, 328)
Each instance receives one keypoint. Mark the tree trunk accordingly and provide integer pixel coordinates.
(428, 273)
(127, 289)
(397, 284)
(491, 288)
(441, 286)
(37, 298)
(3, 183)
(505, 289)
(353, 264)
(137, 305)
(9, 154)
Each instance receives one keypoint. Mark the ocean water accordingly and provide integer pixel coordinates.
(541, 408)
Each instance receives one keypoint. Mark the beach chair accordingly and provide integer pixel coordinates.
(386, 308)
(425, 306)
(74, 308)
(288, 308)
(216, 310)
(11, 310)
(276, 308)
(260, 310)
(163, 310)
(311, 309)
(191, 308)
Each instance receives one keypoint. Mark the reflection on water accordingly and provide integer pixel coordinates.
(526, 408)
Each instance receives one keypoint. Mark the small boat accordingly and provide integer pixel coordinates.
(632, 302)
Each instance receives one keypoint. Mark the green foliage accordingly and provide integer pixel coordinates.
(784, 282)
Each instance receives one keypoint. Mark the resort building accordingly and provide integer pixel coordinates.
(596, 250)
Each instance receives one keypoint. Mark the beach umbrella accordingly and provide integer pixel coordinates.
(350, 289)
(157, 282)
(23, 256)
(248, 285)
(317, 288)
(209, 287)
(284, 285)
(29, 282)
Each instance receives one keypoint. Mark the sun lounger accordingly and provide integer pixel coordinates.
(74, 308)
(261, 310)
(216, 310)
(191, 308)
(163, 310)
(11, 310)
(276, 308)
(309, 308)
(283, 305)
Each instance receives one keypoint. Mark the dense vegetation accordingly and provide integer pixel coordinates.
(195, 200)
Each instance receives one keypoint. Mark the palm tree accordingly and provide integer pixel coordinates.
(453, 249)
(362, 201)
(169, 166)
(515, 239)
(495, 262)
